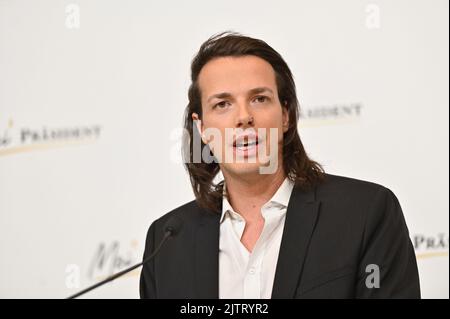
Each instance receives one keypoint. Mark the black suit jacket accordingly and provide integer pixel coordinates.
(331, 235)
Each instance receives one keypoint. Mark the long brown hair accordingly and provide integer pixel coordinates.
(297, 166)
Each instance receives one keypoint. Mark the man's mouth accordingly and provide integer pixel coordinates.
(246, 145)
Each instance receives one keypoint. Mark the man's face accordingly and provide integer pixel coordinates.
(248, 103)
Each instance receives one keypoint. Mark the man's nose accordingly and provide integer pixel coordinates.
(244, 117)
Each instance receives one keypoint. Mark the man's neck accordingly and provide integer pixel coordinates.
(247, 194)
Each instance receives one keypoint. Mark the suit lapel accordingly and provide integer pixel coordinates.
(207, 256)
(301, 216)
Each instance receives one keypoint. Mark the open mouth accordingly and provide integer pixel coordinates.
(246, 145)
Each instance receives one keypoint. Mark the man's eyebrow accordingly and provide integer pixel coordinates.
(224, 95)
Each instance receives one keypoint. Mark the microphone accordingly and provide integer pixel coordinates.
(171, 229)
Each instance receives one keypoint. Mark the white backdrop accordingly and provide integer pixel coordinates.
(92, 94)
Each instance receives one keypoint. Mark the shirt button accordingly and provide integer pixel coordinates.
(251, 271)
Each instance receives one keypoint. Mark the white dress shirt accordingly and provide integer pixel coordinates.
(242, 274)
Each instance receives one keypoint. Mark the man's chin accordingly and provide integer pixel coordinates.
(242, 168)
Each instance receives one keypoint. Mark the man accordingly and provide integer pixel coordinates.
(292, 232)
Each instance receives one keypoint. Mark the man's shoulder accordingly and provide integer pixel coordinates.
(339, 185)
(342, 189)
(187, 213)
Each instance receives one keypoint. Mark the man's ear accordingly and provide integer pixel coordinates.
(199, 125)
(285, 117)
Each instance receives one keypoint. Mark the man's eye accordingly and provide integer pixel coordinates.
(220, 105)
(261, 98)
